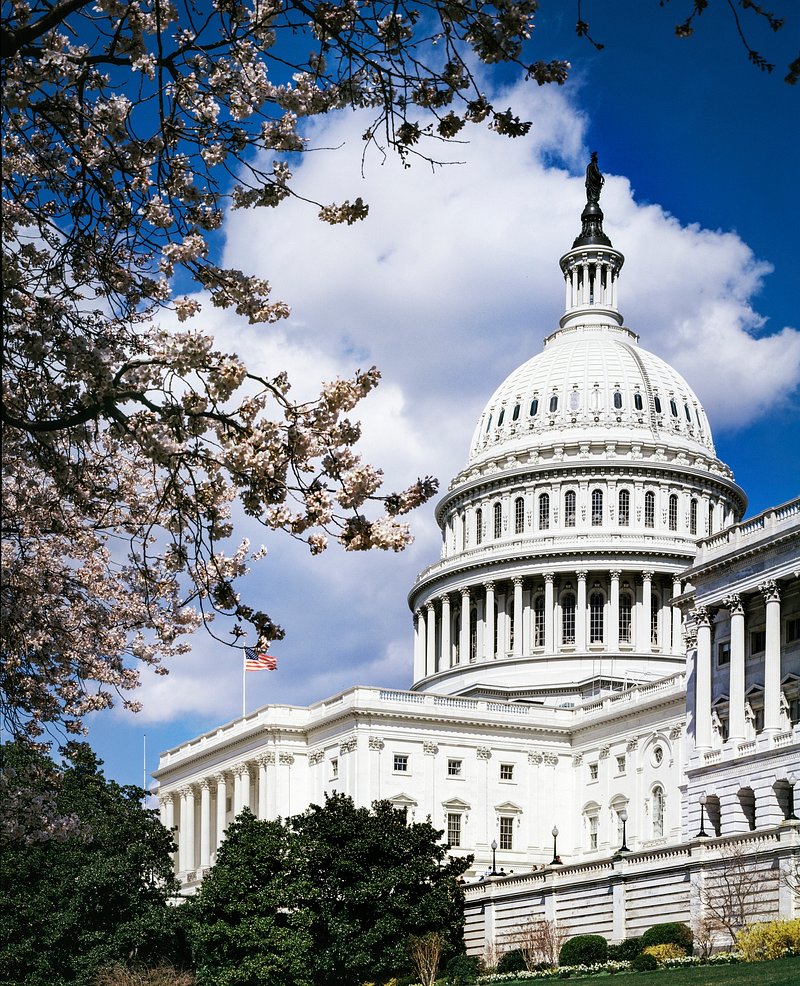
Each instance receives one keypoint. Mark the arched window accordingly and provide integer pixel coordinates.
(569, 508)
(568, 618)
(554, 403)
(649, 509)
(673, 407)
(515, 413)
(500, 416)
(657, 403)
(673, 512)
(624, 508)
(519, 515)
(488, 424)
(617, 400)
(693, 517)
(655, 606)
(637, 401)
(688, 413)
(478, 526)
(625, 617)
(534, 407)
(498, 520)
(544, 511)
(597, 508)
(473, 634)
(538, 621)
(710, 519)
(596, 605)
(658, 803)
(462, 523)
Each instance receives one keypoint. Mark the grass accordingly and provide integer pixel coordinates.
(780, 972)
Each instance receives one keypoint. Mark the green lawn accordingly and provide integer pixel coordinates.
(781, 972)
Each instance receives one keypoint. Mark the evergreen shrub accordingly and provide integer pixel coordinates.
(625, 951)
(670, 933)
(462, 970)
(645, 962)
(512, 961)
(583, 950)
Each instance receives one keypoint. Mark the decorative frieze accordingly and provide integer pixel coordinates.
(315, 757)
(633, 744)
(266, 759)
(577, 760)
(429, 748)
(348, 745)
(483, 753)
(604, 750)
(286, 759)
(376, 743)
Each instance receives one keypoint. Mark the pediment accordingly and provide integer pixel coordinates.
(456, 804)
(402, 800)
(508, 808)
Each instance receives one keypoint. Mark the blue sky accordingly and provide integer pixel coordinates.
(453, 281)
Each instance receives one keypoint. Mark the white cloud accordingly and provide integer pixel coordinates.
(450, 284)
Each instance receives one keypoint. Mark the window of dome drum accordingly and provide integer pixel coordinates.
(649, 509)
(637, 401)
(596, 605)
(501, 416)
(538, 621)
(544, 511)
(519, 515)
(454, 828)
(624, 508)
(693, 517)
(673, 513)
(554, 403)
(478, 526)
(710, 519)
(688, 413)
(473, 634)
(569, 508)
(534, 408)
(454, 768)
(657, 403)
(617, 400)
(625, 617)
(655, 604)
(489, 424)
(574, 400)
(568, 618)
(597, 508)
(515, 413)
(673, 407)
(506, 832)
(498, 521)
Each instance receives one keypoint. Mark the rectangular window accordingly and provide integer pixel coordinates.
(758, 641)
(723, 653)
(506, 832)
(454, 768)
(592, 771)
(400, 762)
(454, 828)
(793, 629)
(621, 765)
(593, 826)
(506, 771)
(334, 768)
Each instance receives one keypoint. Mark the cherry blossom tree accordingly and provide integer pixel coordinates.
(129, 127)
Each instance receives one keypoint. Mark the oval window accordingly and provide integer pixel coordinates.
(617, 400)
(500, 416)
(554, 403)
(673, 407)
(489, 423)
(515, 413)
(534, 407)
(657, 403)
(637, 402)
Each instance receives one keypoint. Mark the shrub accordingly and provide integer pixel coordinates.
(462, 970)
(670, 933)
(512, 961)
(662, 952)
(584, 950)
(771, 940)
(626, 951)
(644, 962)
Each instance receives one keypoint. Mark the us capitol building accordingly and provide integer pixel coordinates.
(606, 658)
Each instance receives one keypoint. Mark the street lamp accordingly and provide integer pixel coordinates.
(702, 834)
(623, 817)
(494, 856)
(792, 779)
(555, 860)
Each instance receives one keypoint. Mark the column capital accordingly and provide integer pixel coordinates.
(518, 580)
(647, 575)
(205, 784)
(465, 592)
(771, 591)
(733, 602)
(242, 769)
(615, 574)
(429, 605)
(164, 800)
(550, 577)
(489, 586)
(702, 616)
(582, 574)
(220, 778)
(187, 791)
(266, 759)
(444, 598)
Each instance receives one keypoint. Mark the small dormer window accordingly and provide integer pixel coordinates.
(673, 407)
(617, 400)
(554, 403)
(501, 416)
(638, 403)
(657, 403)
(688, 413)
(534, 407)
(515, 413)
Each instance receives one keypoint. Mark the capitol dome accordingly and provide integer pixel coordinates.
(590, 477)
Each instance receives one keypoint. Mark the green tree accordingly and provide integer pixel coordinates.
(328, 897)
(99, 894)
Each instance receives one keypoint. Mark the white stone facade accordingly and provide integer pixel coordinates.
(592, 543)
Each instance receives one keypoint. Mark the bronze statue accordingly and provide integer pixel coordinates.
(594, 180)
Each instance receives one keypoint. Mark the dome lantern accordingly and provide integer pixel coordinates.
(591, 268)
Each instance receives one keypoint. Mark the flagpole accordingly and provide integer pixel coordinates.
(244, 686)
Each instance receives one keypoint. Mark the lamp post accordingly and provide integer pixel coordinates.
(623, 817)
(494, 856)
(555, 861)
(792, 780)
(702, 834)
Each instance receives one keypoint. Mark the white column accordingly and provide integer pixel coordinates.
(262, 787)
(702, 711)
(222, 804)
(446, 659)
(489, 623)
(187, 829)
(772, 657)
(430, 639)
(166, 805)
(645, 640)
(463, 648)
(517, 617)
(549, 613)
(613, 630)
(580, 612)
(237, 792)
(244, 791)
(736, 689)
(665, 623)
(205, 824)
(419, 645)
(677, 640)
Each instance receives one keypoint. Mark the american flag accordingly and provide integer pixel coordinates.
(253, 661)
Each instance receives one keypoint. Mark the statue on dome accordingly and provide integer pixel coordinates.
(594, 180)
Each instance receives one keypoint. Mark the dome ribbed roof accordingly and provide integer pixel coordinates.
(592, 383)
